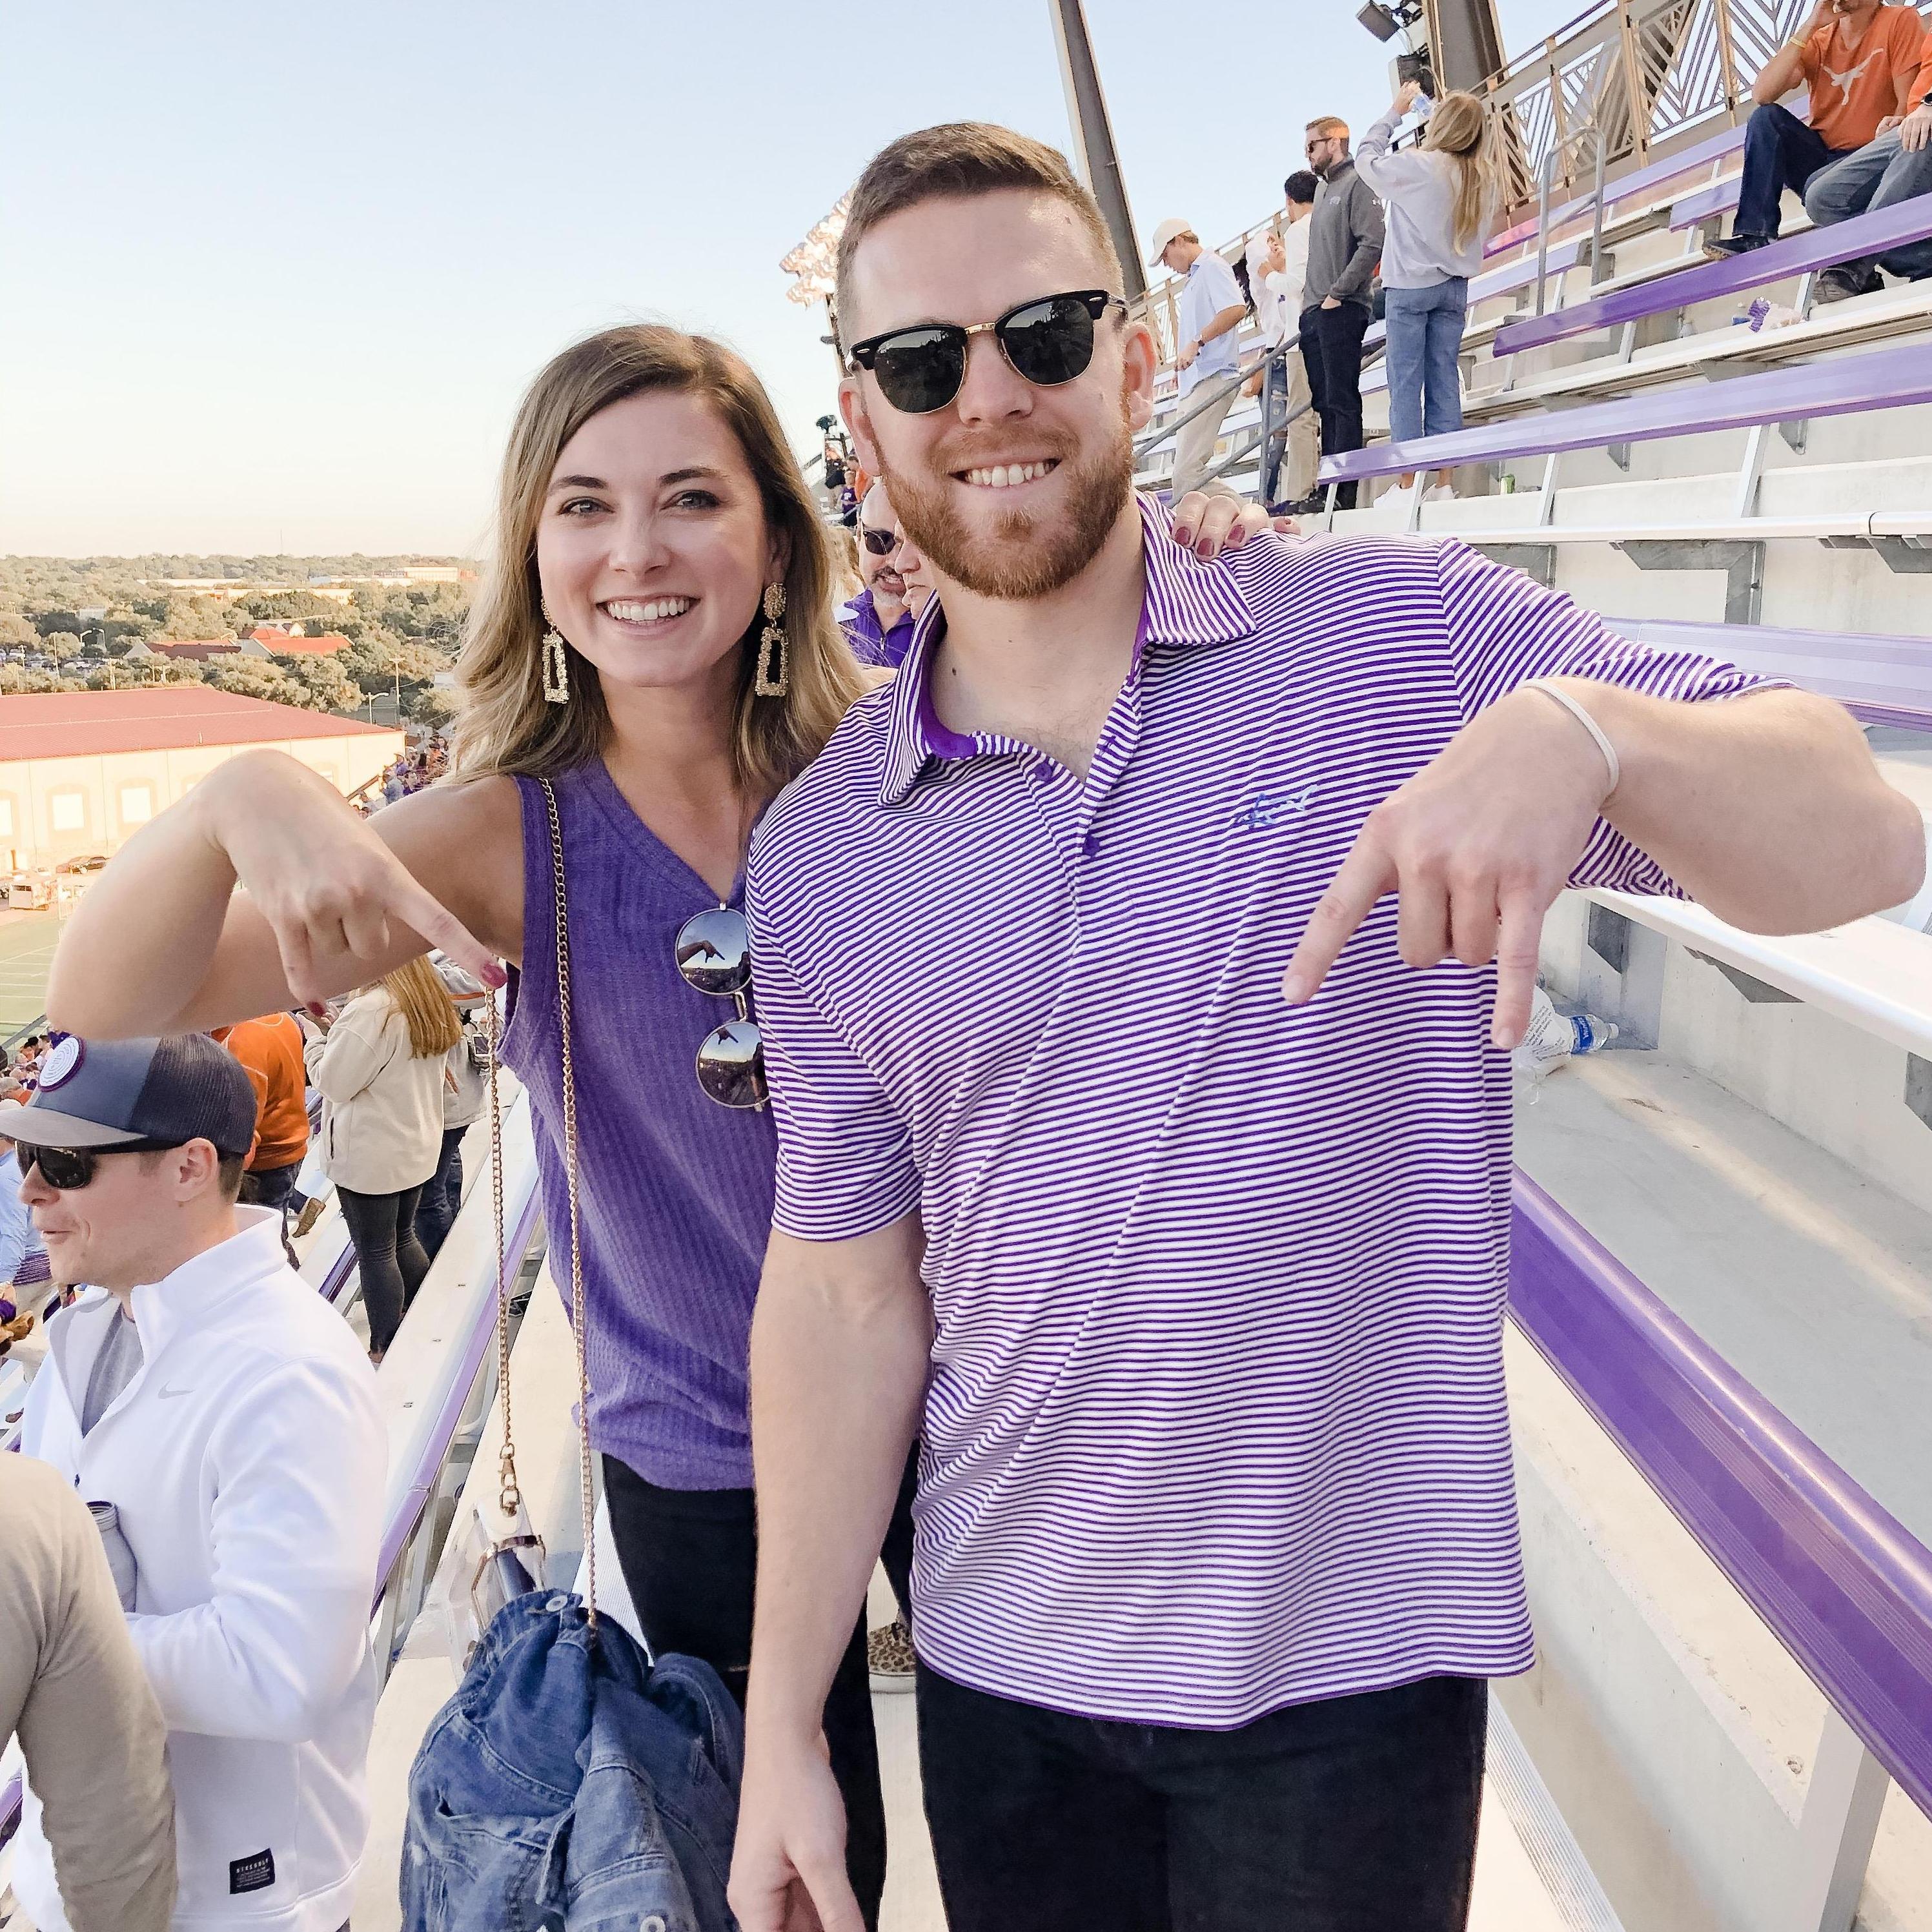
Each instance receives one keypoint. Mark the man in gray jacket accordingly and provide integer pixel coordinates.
(89, 1728)
(1345, 244)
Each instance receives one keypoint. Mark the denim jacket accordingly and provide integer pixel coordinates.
(568, 1786)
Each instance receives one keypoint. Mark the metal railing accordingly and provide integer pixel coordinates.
(1648, 73)
(1838, 1580)
(1593, 133)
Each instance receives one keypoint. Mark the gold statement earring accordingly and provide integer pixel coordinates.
(556, 662)
(774, 677)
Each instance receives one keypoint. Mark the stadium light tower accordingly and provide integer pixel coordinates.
(1094, 155)
(1459, 40)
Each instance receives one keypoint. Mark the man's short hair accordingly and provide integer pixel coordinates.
(1300, 186)
(228, 1173)
(956, 162)
(1329, 124)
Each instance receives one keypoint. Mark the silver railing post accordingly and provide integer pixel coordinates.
(1835, 1834)
(1589, 131)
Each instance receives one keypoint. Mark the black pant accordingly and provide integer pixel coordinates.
(441, 1194)
(270, 1187)
(690, 1558)
(1331, 351)
(1351, 1814)
(388, 1257)
(1781, 152)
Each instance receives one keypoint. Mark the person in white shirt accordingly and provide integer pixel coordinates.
(1277, 267)
(380, 1072)
(228, 1414)
(1211, 308)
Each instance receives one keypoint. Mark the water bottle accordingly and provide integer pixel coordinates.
(1553, 1037)
(1590, 1034)
(120, 1564)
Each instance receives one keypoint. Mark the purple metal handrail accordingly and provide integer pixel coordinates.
(1842, 1585)
(415, 1499)
(1621, 190)
(1882, 379)
(1870, 234)
(1879, 678)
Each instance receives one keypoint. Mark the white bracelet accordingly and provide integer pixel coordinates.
(1550, 689)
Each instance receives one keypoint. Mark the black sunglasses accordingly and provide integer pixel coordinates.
(881, 543)
(69, 1169)
(1049, 341)
(713, 952)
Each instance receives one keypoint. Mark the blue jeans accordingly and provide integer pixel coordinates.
(1348, 1814)
(1876, 175)
(568, 1783)
(1781, 152)
(442, 1194)
(1425, 337)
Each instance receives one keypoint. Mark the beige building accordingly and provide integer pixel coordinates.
(81, 771)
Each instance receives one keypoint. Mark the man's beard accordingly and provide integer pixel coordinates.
(1022, 558)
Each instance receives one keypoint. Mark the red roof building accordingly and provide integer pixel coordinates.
(280, 643)
(171, 717)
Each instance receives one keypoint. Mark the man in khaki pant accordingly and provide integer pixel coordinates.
(89, 1727)
(1210, 309)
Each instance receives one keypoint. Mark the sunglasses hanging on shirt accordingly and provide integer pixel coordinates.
(1049, 341)
(713, 952)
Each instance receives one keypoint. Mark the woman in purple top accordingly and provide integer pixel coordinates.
(650, 515)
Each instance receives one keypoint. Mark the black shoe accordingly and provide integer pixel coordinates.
(1841, 283)
(1725, 246)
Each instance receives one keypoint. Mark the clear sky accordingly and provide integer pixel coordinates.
(275, 274)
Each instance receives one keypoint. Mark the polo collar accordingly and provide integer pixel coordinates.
(1187, 603)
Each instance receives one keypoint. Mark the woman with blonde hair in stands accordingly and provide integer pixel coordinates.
(379, 1070)
(651, 657)
(1442, 200)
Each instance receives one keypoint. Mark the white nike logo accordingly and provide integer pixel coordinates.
(169, 1394)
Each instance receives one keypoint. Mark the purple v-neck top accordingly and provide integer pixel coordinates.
(675, 1191)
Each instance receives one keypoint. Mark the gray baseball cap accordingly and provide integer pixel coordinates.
(115, 1093)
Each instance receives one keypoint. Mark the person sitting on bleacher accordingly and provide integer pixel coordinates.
(1860, 60)
(1895, 167)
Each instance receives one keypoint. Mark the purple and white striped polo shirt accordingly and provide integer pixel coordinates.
(1217, 1419)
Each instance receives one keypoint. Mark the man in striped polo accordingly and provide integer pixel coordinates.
(1126, 1152)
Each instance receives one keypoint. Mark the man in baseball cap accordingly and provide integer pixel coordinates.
(1210, 310)
(220, 1417)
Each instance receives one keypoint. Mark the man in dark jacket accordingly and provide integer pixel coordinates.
(1345, 244)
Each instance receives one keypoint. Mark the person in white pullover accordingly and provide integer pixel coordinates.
(1277, 270)
(229, 1415)
(1441, 200)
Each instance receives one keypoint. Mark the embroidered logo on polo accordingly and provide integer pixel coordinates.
(1270, 807)
(256, 1872)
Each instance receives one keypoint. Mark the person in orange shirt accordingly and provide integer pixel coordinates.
(270, 1050)
(1860, 60)
(1897, 166)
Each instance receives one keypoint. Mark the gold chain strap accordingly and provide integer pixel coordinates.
(584, 1468)
(509, 1497)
